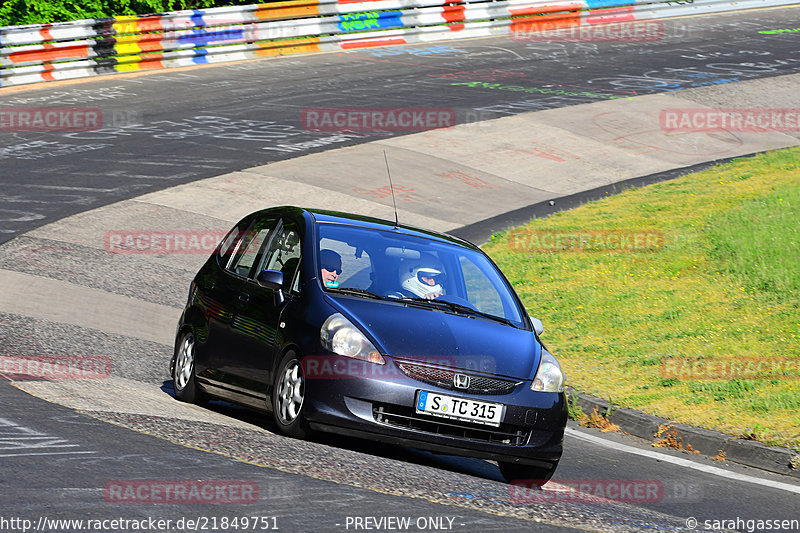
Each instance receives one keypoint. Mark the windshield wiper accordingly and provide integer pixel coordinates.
(440, 303)
(356, 292)
(496, 318)
(459, 308)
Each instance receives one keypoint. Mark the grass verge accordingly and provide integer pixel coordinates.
(681, 299)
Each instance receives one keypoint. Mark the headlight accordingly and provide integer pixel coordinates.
(340, 336)
(549, 377)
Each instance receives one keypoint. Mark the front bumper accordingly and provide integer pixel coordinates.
(382, 408)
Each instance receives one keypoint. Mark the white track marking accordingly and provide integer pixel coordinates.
(708, 469)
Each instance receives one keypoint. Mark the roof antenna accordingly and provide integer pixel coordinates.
(391, 188)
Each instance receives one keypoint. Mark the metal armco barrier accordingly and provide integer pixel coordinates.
(59, 51)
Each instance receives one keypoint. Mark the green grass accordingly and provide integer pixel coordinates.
(721, 288)
(759, 241)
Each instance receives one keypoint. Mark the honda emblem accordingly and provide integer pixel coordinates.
(461, 381)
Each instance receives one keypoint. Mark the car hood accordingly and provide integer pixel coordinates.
(458, 341)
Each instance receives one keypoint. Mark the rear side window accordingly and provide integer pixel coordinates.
(245, 246)
(243, 262)
(230, 244)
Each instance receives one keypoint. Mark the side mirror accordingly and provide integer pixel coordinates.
(273, 280)
(270, 279)
(538, 327)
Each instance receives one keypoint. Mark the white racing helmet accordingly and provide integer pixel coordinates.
(411, 276)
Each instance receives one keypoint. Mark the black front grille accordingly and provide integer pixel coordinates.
(443, 377)
(404, 417)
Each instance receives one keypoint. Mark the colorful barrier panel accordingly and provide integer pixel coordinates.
(59, 51)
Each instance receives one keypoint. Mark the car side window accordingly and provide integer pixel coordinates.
(251, 244)
(231, 243)
(284, 254)
(480, 289)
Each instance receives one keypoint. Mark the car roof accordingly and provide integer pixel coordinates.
(339, 217)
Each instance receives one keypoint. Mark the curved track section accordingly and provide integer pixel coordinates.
(166, 129)
(68, 291)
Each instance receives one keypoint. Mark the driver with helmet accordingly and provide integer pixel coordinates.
(423, 278)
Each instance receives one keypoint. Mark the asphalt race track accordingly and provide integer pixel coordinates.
(194, 149)
(175, 127)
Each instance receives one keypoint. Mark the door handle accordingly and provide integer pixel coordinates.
(244, 298)
(209, 285)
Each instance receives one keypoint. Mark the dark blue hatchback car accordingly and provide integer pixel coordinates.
(353, 325)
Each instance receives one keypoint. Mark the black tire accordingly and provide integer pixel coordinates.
(529, 475)
(288, 398)
(183, 379)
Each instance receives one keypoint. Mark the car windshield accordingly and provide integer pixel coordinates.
(374, 263)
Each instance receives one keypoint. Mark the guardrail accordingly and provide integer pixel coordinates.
(59, 51)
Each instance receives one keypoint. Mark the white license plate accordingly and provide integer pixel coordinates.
(432, 403)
